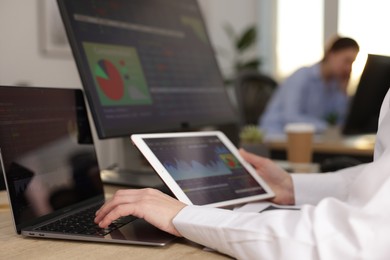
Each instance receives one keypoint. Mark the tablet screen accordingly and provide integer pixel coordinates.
(204, 168)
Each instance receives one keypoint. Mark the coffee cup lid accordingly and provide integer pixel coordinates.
(299, 127)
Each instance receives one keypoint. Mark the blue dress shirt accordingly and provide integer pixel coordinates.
(304, 97)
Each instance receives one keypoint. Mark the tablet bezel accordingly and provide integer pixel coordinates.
(138, 141)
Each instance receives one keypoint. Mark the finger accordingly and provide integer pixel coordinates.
(115, 213)
(253, 159)
(120, 197)
(136, 203)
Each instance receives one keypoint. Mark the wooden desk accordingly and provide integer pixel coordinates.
(359, 147)
(13, 246)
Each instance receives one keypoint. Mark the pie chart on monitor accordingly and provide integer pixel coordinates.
(109, 79)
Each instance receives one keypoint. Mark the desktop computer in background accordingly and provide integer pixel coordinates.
(146, 66)
(366, 103)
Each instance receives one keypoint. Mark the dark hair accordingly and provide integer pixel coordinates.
(341, 43)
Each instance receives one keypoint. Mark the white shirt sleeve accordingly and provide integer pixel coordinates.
(332, 229)
(311, 188)
(260, 236)
(244, 235)
(350, 224)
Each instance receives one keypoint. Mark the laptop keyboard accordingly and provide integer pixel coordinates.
(83, 223)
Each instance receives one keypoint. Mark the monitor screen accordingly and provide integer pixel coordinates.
(365, 106)
(146, 65)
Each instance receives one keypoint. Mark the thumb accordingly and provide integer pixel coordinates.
(251, 158)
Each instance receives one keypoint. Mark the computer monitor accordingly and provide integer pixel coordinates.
(146, 66)
(365, 105)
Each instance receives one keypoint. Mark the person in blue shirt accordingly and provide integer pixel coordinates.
(316, 94)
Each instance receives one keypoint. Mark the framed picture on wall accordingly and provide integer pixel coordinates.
(53, 39)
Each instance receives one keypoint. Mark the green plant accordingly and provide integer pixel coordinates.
(332, 118)
(242, 43)
(251, 134)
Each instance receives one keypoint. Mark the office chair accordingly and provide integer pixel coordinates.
(253, 91)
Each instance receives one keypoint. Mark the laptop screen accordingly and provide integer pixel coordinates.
(47, 151)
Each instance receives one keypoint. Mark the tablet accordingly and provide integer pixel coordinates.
(202, 168)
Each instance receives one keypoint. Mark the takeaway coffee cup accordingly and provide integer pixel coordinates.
(299, 142)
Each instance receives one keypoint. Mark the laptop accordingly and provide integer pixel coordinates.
(51, 170)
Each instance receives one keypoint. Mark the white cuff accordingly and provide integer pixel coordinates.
(311, 188)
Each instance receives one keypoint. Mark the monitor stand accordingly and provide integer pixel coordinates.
(122, 164)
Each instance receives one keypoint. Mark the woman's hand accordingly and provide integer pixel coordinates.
(278, 179)
(152, 205)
